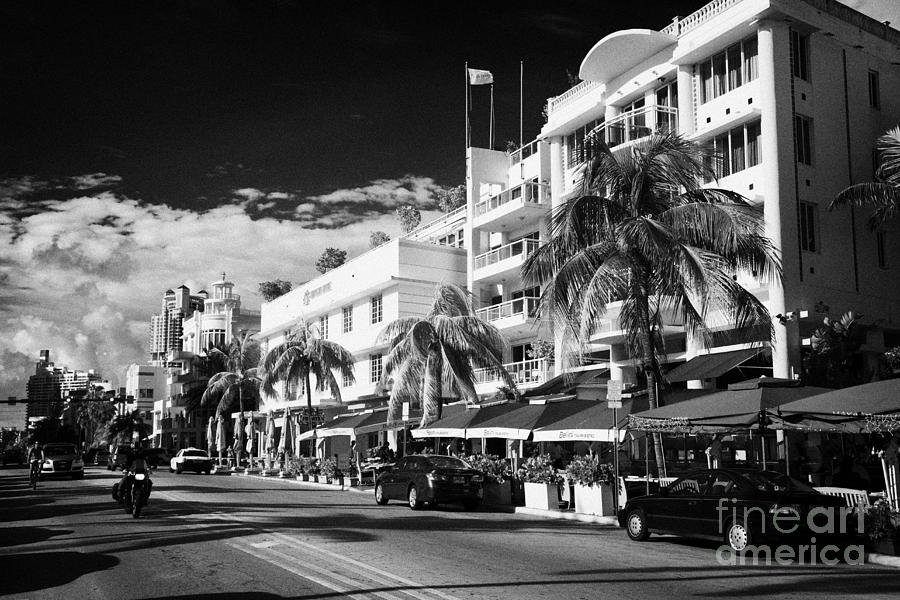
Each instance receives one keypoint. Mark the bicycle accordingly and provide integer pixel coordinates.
(34, 474)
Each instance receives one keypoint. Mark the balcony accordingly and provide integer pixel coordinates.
(513, 317)
(510, 207)
(527, 374)
(636, 124)
(505, 261)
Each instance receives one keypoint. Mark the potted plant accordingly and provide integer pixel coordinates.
(882, 529)
(593, 483)
(310, 468)
(541, 482)
(497, 477)
(328, 469)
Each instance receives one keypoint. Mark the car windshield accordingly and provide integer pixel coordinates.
(770, 481)
(196, 453)
(59, 450)
(447, 462)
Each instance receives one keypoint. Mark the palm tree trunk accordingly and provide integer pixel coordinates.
(431, 401)
(649, 363)
(312, 441)
(237, 434)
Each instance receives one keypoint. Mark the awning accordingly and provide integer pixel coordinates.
(567, 382)
(870, 407)
(518, 424)
(594, 424)
(707, 366)
(355, 424)
(454, 425)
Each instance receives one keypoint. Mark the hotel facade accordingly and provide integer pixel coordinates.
(792, 95)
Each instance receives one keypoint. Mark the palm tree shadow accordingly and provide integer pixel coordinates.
(19, 570)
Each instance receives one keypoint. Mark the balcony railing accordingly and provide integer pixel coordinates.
(525, 307)
(557, 103)
(527, 371)
(531, 193)
(636, 124)
(522, 248)
(680, 26)
(429, 232)
(230, 297)
(524, 152)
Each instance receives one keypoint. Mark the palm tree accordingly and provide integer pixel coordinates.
(645, 233)
(237, 387)
(441, 350)
(301, 355)
(883, 193)
(124, 427)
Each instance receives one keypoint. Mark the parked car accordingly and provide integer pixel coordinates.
(737, 507)
(431, 478)
(191, 459)
(157, 457)
(61, 459)
(12, 455)
(101, 456)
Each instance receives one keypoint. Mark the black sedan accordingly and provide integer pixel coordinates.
(738, 507)
(421, 478)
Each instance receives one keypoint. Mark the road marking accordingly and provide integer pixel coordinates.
(266, 544)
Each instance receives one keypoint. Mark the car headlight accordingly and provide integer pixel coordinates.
(139, 476)
(48, 463)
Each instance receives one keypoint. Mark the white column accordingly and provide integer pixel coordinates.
(685, 100)
(777, 182)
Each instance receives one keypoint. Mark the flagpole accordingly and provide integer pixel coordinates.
(467, 106)
(521, 97)
(491, 135)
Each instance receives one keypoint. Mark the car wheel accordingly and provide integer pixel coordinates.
(178, 469)
(471, 504)
(414, 502)
(379, 495)
(636, 525)
(737, 535)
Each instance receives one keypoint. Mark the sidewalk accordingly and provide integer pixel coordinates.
(611, 522)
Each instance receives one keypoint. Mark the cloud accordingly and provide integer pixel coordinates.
(82, 275)
(95, 180)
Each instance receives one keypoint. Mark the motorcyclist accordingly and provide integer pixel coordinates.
(130, 456)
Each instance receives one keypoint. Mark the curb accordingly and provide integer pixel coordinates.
(611, 522)
(884, 560)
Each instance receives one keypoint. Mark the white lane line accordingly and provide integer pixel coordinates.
(296, 571)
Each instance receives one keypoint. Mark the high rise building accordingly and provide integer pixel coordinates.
(166, 328)
(49, 387)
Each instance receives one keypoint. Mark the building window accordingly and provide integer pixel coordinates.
(874, 90)
(374, 368)
(348, 319)
(879, 246)
(809, 226)
(803, 139)
(800, 55)
(149, 392)
(737, 149)
(345, 381)
(728, 70)
(323, 326)
(579, 144)
(377, 309)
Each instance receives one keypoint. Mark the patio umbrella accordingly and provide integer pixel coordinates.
(270, 433)
(250, 430)
(238, 430)
(221, 442)
(286, 443)
(211, 434)
(736, 409)
(870, 407)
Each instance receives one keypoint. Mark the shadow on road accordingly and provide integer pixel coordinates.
(18, 536)
(41, 570)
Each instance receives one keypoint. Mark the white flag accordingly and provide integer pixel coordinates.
(480, 77)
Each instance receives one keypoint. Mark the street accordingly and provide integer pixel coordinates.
(222, 537)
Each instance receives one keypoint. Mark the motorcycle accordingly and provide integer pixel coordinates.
(136, 491)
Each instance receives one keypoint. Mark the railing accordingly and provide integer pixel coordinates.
(522, 247)
(527, 371)
(525, 306)
(634, 124)
(247, 312)
(530, 192)
(231, 297)
(451, 218)
(680, 26)
(571, 95)
(524, 152)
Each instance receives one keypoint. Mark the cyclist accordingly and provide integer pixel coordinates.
(35, 457)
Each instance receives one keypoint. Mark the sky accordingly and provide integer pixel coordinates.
(145, 145)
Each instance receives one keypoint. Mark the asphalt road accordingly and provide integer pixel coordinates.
(223, 537)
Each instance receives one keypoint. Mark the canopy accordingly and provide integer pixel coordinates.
(518, 424)
(454, 423)
(705, 366)
(868, 407)
(355, 424)
(737, 408)
(594, 424)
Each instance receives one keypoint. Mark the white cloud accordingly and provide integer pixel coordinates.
(93, 180)
(83, 276)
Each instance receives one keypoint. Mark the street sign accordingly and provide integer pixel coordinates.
(614, 393)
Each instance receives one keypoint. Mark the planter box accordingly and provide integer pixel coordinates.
(542, 495)
(890, 547)
(321, 479)
(594, 500)
(498, 493)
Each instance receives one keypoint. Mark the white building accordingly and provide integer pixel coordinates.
(146, 384)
